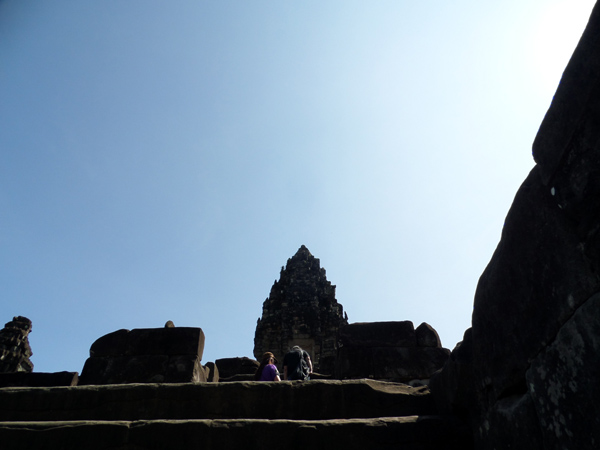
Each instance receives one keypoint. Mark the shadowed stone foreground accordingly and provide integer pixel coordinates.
(308, 400)
(253, 415)
(408, 433)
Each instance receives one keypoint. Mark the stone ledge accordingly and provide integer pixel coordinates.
(410, 432)
(38, 379)
(295, 400)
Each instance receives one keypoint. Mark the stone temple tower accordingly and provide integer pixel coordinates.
(301, 310)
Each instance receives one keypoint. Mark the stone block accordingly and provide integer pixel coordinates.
(38, 379)
(111, 344)
(148, 355)
(141, 369)
(378, 334)
(452, 386)
(390, 363)
(124, 369)
(184, 369)
(228, 367)
(427, 336)
(213, 372)
(151, 341)
(166, 341)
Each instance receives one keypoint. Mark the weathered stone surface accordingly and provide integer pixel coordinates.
(536, 279)
(14, 346)
(574, 107)
(153, 355)
(458, 374)
(400, 364)
(514, 420)
(563, 381)
(388, 351)
(151, 341)
(293, 400)
(38, 379)
(427, 336)
(213, 372)
(230, 367)
(408, 433)
(534, 337)
(301, 310)
(179, 368)
(111, 344)
(378, 334)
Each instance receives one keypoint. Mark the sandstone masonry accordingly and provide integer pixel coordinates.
(14, 346)
(301, 310)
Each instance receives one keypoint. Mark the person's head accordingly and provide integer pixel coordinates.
(268, 358)
(296, 348)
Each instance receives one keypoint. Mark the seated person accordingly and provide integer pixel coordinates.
(267, 371)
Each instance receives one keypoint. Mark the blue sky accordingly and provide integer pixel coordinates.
(162, 160)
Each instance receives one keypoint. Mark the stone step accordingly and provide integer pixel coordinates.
(295, 400)
(407, 433)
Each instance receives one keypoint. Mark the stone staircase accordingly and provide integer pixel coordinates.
(320, 414)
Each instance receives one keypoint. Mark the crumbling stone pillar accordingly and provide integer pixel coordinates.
(14, 346)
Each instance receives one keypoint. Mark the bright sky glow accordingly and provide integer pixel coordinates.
(162, 160)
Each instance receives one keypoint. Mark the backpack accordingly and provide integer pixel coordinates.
(297, 361)
(304, 365)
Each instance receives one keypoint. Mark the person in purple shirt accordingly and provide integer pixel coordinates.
(267, 371)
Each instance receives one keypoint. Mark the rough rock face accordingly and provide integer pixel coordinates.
(236, 369)
(301, 310)
(389, 351)
(213, 372)
(14, 346)
(150, 355)
(527, 372)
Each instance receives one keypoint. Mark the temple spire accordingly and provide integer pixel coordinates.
(301, 310)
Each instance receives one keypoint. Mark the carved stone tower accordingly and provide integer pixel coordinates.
(301, 310)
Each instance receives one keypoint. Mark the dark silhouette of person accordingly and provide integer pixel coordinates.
(296, 364)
